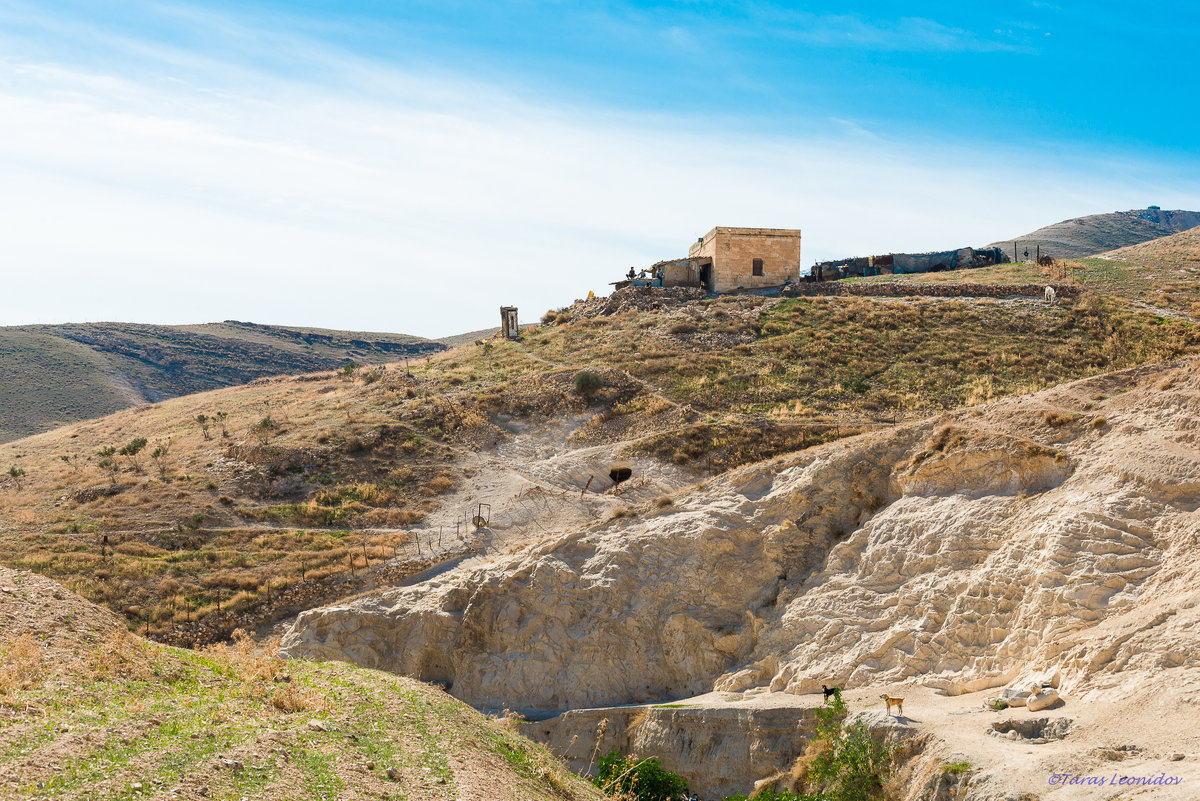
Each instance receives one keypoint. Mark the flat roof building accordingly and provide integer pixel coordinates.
(728, 259)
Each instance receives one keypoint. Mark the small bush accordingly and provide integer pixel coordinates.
(263, 430)
(681, 327)
(1059, 418)
(644, 780)
(956, 768)
(852, 766)
(856, 384)
(440, 483)
(16, 474)
(588, 383)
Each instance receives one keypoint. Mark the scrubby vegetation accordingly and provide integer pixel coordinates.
(632, 779)
(93, 714)
(258, 489)
(850, 765)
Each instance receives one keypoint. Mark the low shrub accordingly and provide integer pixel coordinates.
(588, 383)
(1057, 419)
(642, 779)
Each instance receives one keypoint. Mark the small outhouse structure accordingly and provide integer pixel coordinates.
(509, 327)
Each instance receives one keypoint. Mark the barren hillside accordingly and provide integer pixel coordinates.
(1047, 538)
(1097, 233)
(249, 504)
(51, 375)
(1013, 487)
(1179, 251)
(883, 546)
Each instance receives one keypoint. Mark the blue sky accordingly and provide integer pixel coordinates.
(412, 166)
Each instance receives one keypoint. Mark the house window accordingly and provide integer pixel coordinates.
(757, 267)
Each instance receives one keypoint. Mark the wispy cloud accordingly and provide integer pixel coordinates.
(904, 34)
(389, 199)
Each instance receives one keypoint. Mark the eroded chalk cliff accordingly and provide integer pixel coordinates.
(1051, 536)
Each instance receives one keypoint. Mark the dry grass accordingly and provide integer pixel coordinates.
(1057, 419)
(233, 519)
(169, 548)
(86, 711)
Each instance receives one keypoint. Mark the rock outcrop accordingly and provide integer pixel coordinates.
(1047, 535)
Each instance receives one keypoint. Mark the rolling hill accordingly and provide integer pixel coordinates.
(789, 459)
(56, 374)
(297, 490)
(1098, 233)
(1180, 252)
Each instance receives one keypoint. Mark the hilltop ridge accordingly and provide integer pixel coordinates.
(1096, 233)
(51, 375)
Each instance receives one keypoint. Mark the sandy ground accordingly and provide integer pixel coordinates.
(1135, 735)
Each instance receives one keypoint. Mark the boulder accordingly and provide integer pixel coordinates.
(1014, 697)
(1043, 700)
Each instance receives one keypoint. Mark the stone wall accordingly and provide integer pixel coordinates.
(733, 251)
(915, 290)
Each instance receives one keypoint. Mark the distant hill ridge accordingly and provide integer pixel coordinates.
(51, 375)
(1098, 233)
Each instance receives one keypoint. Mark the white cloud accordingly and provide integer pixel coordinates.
(406, 203)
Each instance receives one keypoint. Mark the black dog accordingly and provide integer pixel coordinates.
(830, 691)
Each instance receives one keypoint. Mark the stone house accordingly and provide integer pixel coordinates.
(727, 259)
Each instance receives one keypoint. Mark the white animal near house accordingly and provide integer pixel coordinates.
(1051, 295)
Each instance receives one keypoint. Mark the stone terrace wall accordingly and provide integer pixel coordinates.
(913, 290)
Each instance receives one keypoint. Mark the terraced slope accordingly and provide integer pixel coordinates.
(51, 375)
(1098, 233)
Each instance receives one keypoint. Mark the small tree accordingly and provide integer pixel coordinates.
(641, 779)
(263, 430)
(204, 421)
(159, 455)
(221, 417)
(16, 474)
(853, 764)
(587, 383)
(131, 451)
(107, 464)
